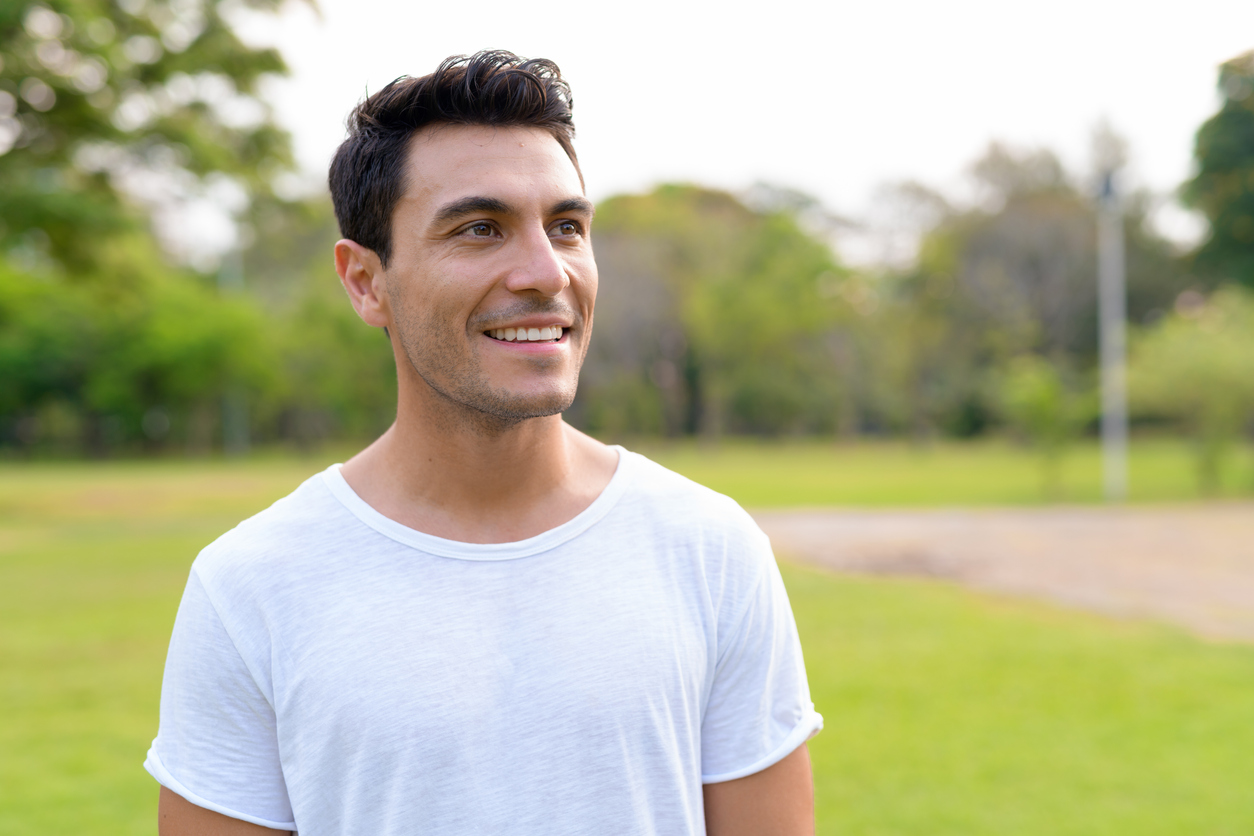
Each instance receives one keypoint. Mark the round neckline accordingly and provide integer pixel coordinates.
(443, 547)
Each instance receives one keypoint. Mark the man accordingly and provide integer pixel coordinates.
(485, 622)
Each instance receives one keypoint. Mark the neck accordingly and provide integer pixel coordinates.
(459, 474)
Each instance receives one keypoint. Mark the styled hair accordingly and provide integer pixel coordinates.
(493, 87)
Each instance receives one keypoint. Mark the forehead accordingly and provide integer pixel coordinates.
(516, 164)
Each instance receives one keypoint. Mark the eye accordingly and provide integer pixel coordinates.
(566, 228)
(480, 230)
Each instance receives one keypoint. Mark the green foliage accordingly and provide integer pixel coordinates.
(103, 106)
(1013, 276)
(97, 94)
(97, 365)
(165, 348)
(1223, 188)
(1038, 405)
(720, 310)
(1197, 367)
(340, 374)
(627, 403)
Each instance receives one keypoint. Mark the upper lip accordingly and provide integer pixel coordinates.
(533, 322)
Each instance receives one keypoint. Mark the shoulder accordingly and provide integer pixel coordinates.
(654, 484)
(265, 547)
(686, 512)
(704, 540)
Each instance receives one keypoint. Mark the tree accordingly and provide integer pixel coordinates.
(340, 373)
(1040, 407)
(98, 98)
(104, 106)
(150, 360)
(1014, 275)
(1223, 188)
(1197, 368)
(711, 317)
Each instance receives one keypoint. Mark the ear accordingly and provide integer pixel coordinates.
(361, 273)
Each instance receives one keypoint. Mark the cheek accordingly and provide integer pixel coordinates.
(431, 307)
(588, 282)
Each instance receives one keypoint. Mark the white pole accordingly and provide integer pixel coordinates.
(1112, 315)
(234, 402)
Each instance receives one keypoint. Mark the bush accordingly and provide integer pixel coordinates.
(1196, 367)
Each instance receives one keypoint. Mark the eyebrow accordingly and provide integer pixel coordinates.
(469, 206)
(577, 205)
(477, 205)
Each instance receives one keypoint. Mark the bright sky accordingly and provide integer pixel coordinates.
(833, 98)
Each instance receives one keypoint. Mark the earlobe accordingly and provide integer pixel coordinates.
(361, 273)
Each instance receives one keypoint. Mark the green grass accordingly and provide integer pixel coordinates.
(93, 559)
(789, 473)
(947, 712)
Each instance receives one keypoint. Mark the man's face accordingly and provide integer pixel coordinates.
(491, 282)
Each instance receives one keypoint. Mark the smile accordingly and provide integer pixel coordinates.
(524, 335)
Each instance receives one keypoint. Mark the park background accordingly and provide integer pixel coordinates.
(848, 259)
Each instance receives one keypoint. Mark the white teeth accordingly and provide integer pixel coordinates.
(546, 334)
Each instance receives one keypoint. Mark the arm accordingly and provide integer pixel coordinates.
(176, 816)
(217, 731)
(778, 801)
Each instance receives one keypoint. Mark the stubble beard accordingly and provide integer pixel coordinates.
(461, 384)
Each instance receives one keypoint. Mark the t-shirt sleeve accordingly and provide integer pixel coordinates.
(216, 744)
(759, 709)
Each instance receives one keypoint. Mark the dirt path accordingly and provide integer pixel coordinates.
(1192, 565)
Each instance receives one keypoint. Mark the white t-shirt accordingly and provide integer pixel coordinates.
(336, 672)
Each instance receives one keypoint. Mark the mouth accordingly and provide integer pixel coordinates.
(548, 334)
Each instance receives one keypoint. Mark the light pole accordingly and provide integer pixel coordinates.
(1112, 333)
(234, 401)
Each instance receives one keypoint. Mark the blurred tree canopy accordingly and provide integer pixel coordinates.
(1015, 275)
(1223, 188)
(340, 377)
(1196, 367)
(1044, 408)
(101, 100)
(710, 318)
(102, 340)
(716, 314)
(91, 366)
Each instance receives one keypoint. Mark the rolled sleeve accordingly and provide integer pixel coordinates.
(759, 708)
(216, 743)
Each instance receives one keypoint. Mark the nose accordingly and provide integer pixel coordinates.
(538, 266)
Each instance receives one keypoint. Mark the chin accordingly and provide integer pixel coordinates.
(513, 407)
(522, 408)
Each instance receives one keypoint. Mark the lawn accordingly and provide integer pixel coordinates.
(790, 473)
(947, 712)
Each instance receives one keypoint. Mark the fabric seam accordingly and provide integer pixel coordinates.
(810, 725)
(230, 634)
(175, 785)
(624, 471)
(740, 620)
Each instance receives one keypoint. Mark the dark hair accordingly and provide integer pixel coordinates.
(493, 87)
